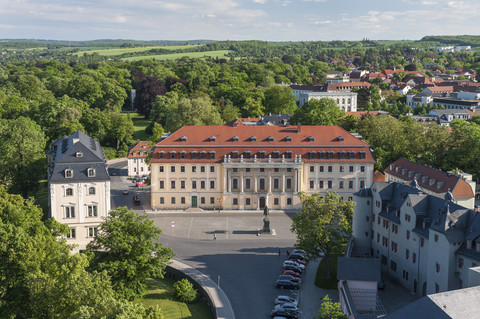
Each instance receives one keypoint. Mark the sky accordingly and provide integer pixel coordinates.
(270, 20)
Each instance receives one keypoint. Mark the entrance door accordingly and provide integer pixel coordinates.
(262, 202)
(194, 201)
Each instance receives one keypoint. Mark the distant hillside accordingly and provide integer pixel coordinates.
(18, 43)
(472, 40)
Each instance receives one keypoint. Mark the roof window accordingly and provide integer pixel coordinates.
(311, 139)
(79, 154)
(253, 138)
(235, 138)
(270, 139)
(183, 139)
(340, 138)
(212, 138)
(288, 138)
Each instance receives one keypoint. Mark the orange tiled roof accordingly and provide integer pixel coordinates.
(378, 176)
(139, 150)
(438, 181)
(299, 140)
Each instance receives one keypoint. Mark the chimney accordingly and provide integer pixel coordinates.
(299, 128)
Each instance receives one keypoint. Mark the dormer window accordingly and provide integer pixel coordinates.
(79, 154)
(212, 138)
(363, 154)
(69, 192)
(212, 155)
(68, 173)
(172, 154)
(141, 153)
(261, 154)
(183, 139)
(182, 155)
(134, 153)
(91, 172)
(342, 154)
(351, 155)
(311, 139)
(270, 139)
(235, 138)
(194, 154)
(312, 154)
(330, 155)
(276, 154)
(288, 154)
(340, 138)
(288, 138)
(253, 138)
(424, 179)
(321, 154)
(248, 154)
(235, 154)
(161, 154)
(203, 155)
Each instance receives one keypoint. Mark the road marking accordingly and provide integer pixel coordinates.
(189, 229)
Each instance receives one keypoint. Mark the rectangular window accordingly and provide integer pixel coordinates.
(161, 184)
(202, 200)
(340, 184)
(212, 184)
(275, 201)
(247, 183)
(362, 184)
(212, 169)
(234, 183)
(408, 234)
(69, 212)
(460, 262)
(262, 183)
(202, 184)
(212, 200)
(92, 231)
(341, 169)
(247, 201)
(414, 258)
(235, 201)
(312, 184)
(312, 169)
(289, 170)
(234, 170)
(91, 190)
(202, 169)
(92, 211)
(350, 184)
(262, 170)
(330, 169)
(362, 168)
(407, 254)
(172, 169)
(436, 238)
(194, 184)
(182, 200)
(320, 184)
(422, 242)
(289, 183)
(172, 184)
(182, 169)
(321, 169)
(161, 169)
(182, 184)
(194, 169)
(162, 200)
(72, 233)
(172, 200)
(276, 183)
(350, 169)
(330, 184)
(276, 170)
(289, 201)
(247, 170)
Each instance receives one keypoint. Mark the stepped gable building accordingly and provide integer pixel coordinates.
(433, 181)
(137, 159)
(79, 186)
(250, 167)
(426, 243)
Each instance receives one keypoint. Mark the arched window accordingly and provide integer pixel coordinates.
(69, 192)
(91, 190)
(343, 101)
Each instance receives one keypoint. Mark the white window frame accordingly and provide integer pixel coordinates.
(66, 191)
(91, 172)
(68, 210)
(68, 173)
(92, 231)
(72, 234)
(94, 190)
(91, 210)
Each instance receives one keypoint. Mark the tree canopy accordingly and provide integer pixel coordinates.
(318, 112)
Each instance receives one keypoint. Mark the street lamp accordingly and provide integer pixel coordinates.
(219, 203)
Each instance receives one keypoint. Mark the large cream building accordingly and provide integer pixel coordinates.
(250, 167)
(79, 186)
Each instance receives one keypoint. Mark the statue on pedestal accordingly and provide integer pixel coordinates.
(266, 221)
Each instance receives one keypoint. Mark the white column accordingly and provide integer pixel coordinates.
(295, 178)
(229, 181)
(283, 180)
(269, 180)
(225, 179)
(241, 179)
(80, 203)
(255, 177)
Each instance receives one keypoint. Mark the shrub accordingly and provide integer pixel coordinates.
(184, 291)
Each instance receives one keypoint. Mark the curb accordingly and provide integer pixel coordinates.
(219, 300)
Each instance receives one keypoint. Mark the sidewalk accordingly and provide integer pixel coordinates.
(310, 296)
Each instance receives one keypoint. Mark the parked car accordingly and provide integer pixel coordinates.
(125, 192)
(294, 268)
(287, 306)
(299, 251)
(291, 278)
(287, 284)
(297, 256)
(290, 262)
(292, 273)
(284, 313)
(140, 184)
(299, 261)
(283, 299)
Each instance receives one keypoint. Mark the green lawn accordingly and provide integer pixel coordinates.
(321, 280)
(140, 124)
(119, 51)
(160, 293)
(173, 56)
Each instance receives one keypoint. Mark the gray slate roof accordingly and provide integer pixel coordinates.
(364, 269)
(461, 304)
(66, 149)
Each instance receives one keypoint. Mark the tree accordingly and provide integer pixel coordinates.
(318, 112)
(323, 226)
(127, 249)
(184, 291)
(280, 100)
(39, 278)
(22, 154)
(157, 132)
(330, 310)
(147, 91)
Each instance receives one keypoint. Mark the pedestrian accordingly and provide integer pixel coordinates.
(214, 236)
(279, 251)
(288, 253)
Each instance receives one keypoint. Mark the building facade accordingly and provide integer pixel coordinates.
(137, 160)
(426, 243)
(346, 101)
(249, 167)
(79, 186)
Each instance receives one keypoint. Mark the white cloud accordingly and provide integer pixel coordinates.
(259, 1)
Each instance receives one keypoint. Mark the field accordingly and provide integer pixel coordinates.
(173, 56)
(160, 293)
(119, 51)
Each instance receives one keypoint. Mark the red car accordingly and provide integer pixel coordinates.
(140, 184)
(303, 262)
(291, 273)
